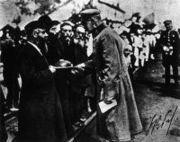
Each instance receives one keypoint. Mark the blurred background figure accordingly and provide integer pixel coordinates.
(169, 42)
(9, 45)
(128, 53)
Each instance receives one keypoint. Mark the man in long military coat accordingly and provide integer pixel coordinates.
(40, 114)
(122, 121)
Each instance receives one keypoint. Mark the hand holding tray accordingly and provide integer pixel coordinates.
(65, 68)
(63, 65)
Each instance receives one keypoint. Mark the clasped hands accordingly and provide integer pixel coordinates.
(77, 69)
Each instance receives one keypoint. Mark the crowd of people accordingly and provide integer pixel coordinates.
(55, 82)
(141, 44)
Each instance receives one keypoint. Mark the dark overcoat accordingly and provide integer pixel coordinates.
(119, 123)
(40, 114)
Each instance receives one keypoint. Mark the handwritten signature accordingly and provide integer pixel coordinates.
(158, 122)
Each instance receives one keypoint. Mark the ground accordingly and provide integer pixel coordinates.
(158, 104)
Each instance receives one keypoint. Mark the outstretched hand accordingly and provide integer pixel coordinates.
(52, 69)
(77, 70)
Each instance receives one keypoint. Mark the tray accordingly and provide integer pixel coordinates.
(65, 68)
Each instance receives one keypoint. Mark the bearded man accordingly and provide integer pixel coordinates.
(40, 114)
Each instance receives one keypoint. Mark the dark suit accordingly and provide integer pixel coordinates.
(78, 83)
(40, 115)
(170, 39)
(59, 50)
(10, 72)
(54, 49)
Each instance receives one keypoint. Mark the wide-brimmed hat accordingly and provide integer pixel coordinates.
(47, 22)
(32, 26)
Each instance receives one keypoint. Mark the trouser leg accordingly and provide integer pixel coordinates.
(15, 93)
(9, 95)
(175, 73)
(167, 74)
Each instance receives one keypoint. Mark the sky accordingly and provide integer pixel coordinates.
(163, 9)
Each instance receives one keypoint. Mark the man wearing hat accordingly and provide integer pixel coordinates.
(40, 114)
(50, 27)
(169, 41)
(113, 82)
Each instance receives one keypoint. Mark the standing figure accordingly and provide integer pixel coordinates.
(10, 72)
(169, 41)
(51, 26)
(64, 54)
(113, 81)
(82, 87)
(40, 113)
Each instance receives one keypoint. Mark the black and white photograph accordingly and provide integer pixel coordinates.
(89, 71)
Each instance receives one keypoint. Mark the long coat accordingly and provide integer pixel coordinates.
(119, 123)
(40, 115)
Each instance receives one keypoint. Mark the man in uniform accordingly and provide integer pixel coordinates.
(113, 81)
(169, 41)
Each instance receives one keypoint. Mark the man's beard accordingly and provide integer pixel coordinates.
(42, 45)
(67, 39)
(79, 41)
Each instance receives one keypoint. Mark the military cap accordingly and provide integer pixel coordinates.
(90, 12)
(137, 14)
(167, 22)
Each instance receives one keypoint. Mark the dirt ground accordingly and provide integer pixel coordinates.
(159, 107)
(158, 104)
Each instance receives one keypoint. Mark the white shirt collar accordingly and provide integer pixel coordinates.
(35, 46)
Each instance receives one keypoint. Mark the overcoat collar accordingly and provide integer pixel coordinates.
(97, 30)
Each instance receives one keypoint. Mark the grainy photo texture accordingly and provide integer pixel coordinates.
(89, 71)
